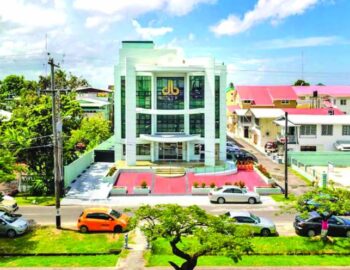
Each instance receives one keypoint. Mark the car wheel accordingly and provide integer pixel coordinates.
(84, 229)
(118, 229)
(221, 200)
(11, 234)
(348, 234)
(311, 233)
(265, 232)
(252, 200)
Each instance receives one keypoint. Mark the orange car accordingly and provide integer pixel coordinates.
(102, 219)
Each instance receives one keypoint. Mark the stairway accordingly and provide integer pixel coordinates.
(170, 171)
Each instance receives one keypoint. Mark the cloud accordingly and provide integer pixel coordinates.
(265, 10)
(108, 9)
(300, 42)
(25, 17)
(150, 32)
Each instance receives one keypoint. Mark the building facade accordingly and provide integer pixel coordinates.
(168, 108)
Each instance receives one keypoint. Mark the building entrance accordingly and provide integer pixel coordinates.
(170, 151)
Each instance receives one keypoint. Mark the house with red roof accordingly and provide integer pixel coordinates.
(265, 97)
(317, 96)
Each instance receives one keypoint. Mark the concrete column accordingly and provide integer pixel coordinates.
(152, 152)
(156, 151)
(209, 102)
(154, 105)
(118, 146)
(223, 127)
(187, 104)
(189, 151)
(130, 116)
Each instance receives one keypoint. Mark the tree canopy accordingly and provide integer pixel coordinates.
(205, 234)
(301, 83)
(62, 81)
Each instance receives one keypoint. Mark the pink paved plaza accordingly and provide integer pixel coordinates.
(182, 185)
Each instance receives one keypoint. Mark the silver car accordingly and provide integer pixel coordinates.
(259, 225)
(11, 225)
(233, 194)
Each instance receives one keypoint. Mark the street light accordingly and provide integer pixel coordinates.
(286, 157)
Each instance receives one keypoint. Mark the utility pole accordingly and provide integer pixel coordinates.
(286, 157)
(56, 140)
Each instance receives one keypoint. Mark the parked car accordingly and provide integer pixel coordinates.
(233, 194)
(12, 226)
(8, 204)
(244, 156)
(311, 226)
(102, 219)
(259, 225)
(232, 148)
(230, 143)
(271, 147)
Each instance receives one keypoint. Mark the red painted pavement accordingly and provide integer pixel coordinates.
(177, 185)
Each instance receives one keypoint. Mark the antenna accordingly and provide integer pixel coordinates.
(302, 64)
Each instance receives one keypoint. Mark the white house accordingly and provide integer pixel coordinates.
(317, 132)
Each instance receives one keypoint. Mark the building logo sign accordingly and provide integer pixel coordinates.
(170, 90)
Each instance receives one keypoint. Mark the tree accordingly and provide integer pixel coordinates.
(63, 81)
(7, 165)
(325, 201)
(301, 83)
(193, 233)
(93, 131)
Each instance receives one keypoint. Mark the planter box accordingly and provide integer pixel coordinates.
(263, 177)
(141, 191)
(201, 191)
(118, 191)
(267, 190)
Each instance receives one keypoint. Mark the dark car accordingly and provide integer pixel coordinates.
(271, 147)
(244, 156)
(311, 226)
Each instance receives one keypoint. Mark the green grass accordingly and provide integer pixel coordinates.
(62, 261)
(35, 200)
(302, 177)
(51, 240)
(273, 245)
(163, 260)
(281, 198)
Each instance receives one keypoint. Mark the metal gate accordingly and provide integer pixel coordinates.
(104, 155)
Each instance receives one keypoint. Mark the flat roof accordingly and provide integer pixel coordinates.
(170, 137)
(267, 113)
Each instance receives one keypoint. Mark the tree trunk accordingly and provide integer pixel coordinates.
(190, 261)
(187, 265)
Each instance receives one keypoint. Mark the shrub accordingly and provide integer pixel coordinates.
(240, 184)
(112, 171)
(212, 185)
(203, 185)
(195, 184)
(273, 185)
(228, 183)
(143, 184)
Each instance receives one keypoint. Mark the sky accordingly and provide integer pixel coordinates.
(262, 42)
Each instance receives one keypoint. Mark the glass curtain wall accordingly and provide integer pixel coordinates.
(197, 124)
(170, 123)
(196, 92)
(143, 124)
(122, 106)
(143, 92)
(170, 93)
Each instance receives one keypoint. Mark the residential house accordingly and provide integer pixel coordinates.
(324, 97)
(93, 100)
(316, 132)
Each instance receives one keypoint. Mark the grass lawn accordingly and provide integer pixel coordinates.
(35, 200)
(51, 240)
(302, 177)
(274, 245)
(281, 198)
(61, 261)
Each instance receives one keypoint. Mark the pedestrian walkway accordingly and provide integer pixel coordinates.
(295, 184)
(90, 185)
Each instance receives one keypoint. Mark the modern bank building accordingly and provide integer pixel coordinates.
(168, 108)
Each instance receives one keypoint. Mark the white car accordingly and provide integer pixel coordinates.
(233, 194)
(258, 225)
(8, 204)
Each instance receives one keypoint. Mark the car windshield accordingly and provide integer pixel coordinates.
(115, 214)
(8, 218)
(255, 218)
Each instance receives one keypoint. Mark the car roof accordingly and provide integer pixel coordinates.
(97, 209)
(239, 214)
(230, 186)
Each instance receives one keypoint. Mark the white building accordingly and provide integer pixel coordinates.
(317, 132)
(168, 107)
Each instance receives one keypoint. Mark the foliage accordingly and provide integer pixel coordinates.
(264, 171)
(62, 81)
(93, 131)
(301, 83)
(143, 184)
(196, 184)
(239, 183)
(1, 197)
(7, 165)
(209, 234)
(112, 170)
(212, 185)
(203, 185)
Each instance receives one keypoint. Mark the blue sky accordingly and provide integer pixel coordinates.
(261, 41)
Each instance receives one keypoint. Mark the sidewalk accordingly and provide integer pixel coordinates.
(295, 184)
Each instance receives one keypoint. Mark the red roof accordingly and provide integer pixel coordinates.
(266, 95)
(318, 111)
